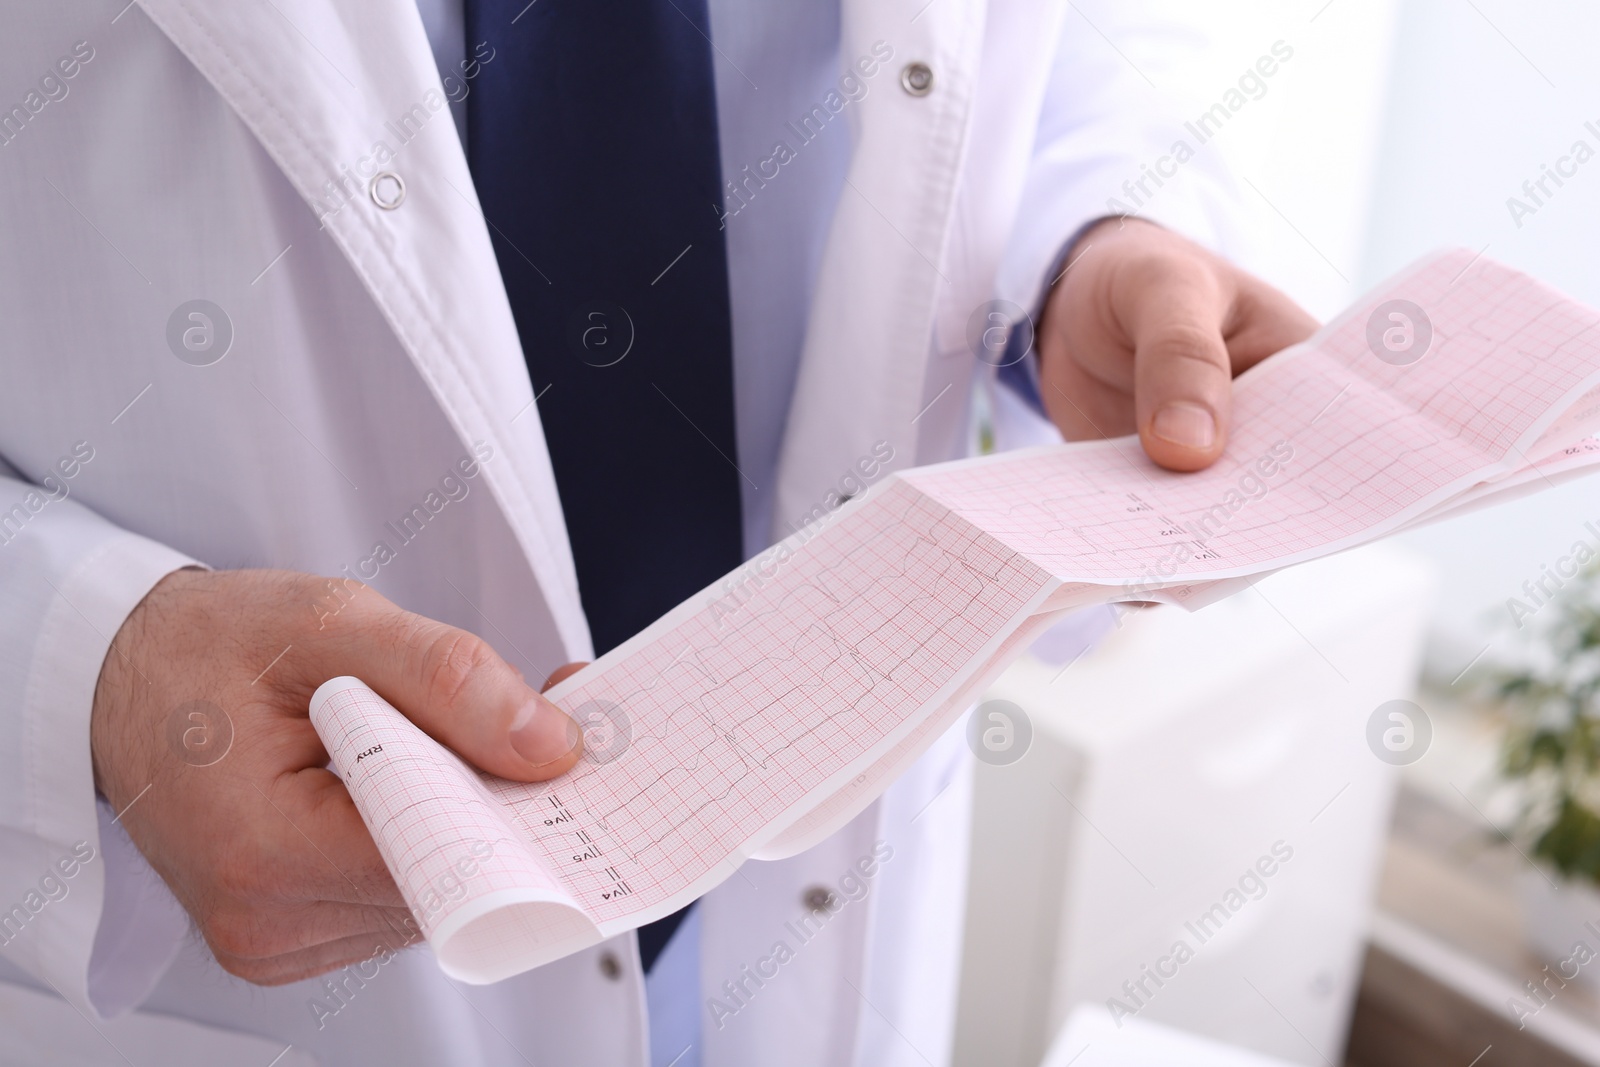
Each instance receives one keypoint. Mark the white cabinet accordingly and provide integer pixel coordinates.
(1193, 835)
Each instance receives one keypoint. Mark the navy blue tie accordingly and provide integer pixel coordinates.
(592, 137)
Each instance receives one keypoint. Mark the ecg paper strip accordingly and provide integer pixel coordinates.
(761, 715)
(1365, 441)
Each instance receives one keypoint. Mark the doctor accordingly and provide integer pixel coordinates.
(443, 344)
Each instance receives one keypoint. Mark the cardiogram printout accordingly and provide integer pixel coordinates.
(760, 716)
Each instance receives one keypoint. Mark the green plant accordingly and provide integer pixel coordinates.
(1552, 743)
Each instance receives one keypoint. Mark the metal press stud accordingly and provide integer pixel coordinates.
(387, 190)
(818, 898)
(917, 79)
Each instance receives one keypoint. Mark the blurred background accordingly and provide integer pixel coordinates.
(1440, 904)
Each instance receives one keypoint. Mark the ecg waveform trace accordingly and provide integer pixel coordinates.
(740, 708)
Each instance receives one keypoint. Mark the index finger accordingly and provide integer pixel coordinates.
(561, 674)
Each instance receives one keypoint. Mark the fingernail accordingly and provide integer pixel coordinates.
(1186, 424)
(541, 734)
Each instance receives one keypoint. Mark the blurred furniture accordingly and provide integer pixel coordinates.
(1450, 953)
(1416, 1016)
(1166, 765)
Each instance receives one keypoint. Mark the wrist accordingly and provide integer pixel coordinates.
(122, 758)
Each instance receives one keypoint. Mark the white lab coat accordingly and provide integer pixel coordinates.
(188, 156)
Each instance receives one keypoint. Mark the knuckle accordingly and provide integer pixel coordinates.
(1159, 266)
(1184, 352)
(245, 876)
(450, 660)
(266, 973)
(1186, 340)
(235, 876)
(1168, 269)
(242, 936)
(234, 884)
(254, 971)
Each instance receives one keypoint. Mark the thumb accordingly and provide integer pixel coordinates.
(1182, 375)
(459, 691)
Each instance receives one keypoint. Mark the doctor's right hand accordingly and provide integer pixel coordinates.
(256, 838)
(1144, 332)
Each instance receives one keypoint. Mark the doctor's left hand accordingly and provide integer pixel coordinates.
(257, 839)
(1144, 332)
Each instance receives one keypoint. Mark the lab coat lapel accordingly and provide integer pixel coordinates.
(337, 92)
(882, 276)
